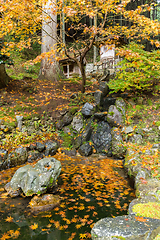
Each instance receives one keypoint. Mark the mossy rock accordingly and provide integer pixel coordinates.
(150, 209)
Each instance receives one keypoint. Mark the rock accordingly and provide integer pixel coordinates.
(142, 175)
(105, 77)
(108, 102)
(121, 105)
(85, 150)
(84, 136)
(34, 155)
(132, 156)
(43, 203)
(98, 96)
(3, 158)
(101, 137)
(87, 109)
(35, 180)
(100, 115)
(103, 87)
(17, 157)
(70, 152)
(74, 95)
(12, 192)
(126, 227)
(19, 122)
(114, 116)
(140, 200)
(118, 149)
(147, 188)
(40, 146)
(77, 142)
(32, 146)
(128, 129)
(51, 148)
(77, 123)
(65, 121)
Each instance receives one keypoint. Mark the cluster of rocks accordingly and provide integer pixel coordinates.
(23, 154)
(147, 192)
(101, 126)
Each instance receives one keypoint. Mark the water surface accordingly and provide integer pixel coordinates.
(91, 188)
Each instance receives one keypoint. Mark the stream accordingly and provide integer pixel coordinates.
(90, 188)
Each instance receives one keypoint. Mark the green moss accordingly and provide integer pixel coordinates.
(51, 182)
(158, 123)
(39, 193)
(150, 209)
(157, 237)
(30, 193)
(74, 110)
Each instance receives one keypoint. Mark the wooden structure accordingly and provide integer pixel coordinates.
(70, 67)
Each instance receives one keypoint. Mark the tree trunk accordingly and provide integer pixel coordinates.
(49, 69)
(4, 78)
(81, 66)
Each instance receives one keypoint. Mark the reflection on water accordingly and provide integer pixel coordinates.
(90, 190)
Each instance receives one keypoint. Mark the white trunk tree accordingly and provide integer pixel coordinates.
(49, 69)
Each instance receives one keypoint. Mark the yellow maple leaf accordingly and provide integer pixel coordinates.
(82, 236)
(9, 219)
(5, 236)
(34, 226)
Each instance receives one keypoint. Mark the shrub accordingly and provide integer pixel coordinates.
(139, 71)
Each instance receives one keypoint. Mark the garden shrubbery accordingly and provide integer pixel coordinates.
(140, 70)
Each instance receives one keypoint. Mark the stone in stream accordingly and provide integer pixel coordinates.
(35, 180)
(128, 227)
(45, 202)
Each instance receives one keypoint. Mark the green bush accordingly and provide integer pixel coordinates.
(139, 72)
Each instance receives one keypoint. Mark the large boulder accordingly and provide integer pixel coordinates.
(101, 137)
(35, 180)
(127, 227)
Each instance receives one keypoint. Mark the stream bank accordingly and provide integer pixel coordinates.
(101, 127)
(90, 188)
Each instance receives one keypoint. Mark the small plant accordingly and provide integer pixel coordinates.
(29, 68)
(94, 125)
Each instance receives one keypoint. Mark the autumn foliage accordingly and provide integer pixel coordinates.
(87, 23)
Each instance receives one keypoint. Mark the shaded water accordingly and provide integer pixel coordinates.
(91, 188)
